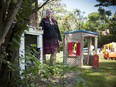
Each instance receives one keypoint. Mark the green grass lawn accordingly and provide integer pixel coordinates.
(59, 57)
(104, 76)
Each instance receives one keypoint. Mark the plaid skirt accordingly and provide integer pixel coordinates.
(50, 46)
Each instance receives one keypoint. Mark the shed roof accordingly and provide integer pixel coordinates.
(81, 31)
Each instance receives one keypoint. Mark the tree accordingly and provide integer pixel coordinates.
(113, 25)
(14, 17)
(108, 13)
(72, 20)
(94, 22)
(106, 3)
(11, 38)
(109, 22)
(77, 18)
(7, 16)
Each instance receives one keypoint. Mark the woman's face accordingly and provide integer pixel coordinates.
(48, 13)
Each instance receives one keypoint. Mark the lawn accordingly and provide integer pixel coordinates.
(104, 76)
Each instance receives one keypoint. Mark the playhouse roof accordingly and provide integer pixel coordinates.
(81, 31)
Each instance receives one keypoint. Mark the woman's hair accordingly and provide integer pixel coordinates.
(48, 11)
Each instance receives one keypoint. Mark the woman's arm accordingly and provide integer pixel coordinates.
(42, 23)
(58, 32)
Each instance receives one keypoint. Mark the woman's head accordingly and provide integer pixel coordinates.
(49, 13)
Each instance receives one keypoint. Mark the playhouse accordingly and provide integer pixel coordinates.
(31, 36)
(74, 55)
(109, 50)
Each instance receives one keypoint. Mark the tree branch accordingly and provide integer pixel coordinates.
(46, 2)
(106, 3)
(9, 20)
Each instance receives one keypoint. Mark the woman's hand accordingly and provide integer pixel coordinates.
(60, 42)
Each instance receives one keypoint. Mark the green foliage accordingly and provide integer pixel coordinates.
(106, 3)
(99, 22)
(80, 82)
(113, 25)
(72, 20)
(36, 71)
(37, 74)
(22, 20)
(106, 39)
(94, 16)
(29, 76)
(94, 22)
(108, 13)
(23, 16)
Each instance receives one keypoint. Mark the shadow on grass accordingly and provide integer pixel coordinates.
(104, 76)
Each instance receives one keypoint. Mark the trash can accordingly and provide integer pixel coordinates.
(95, 61)
(91, 60)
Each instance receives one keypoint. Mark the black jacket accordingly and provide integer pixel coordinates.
(51, 31)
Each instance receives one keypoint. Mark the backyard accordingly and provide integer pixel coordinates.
(104, 76)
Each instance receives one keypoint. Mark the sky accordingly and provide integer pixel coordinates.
(85, 5)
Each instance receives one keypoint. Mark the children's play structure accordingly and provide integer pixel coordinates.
(74, 44)
(109, 50)
(29, 37)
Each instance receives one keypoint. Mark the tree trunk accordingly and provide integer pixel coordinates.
(7, 74)
(7, 57)
(9, 20)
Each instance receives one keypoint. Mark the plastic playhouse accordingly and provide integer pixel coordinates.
(74, 44)
(109, 50)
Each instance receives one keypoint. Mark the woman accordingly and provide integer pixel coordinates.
(50, 37)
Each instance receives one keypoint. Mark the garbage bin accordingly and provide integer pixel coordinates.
(95, 61)
(91, 60)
